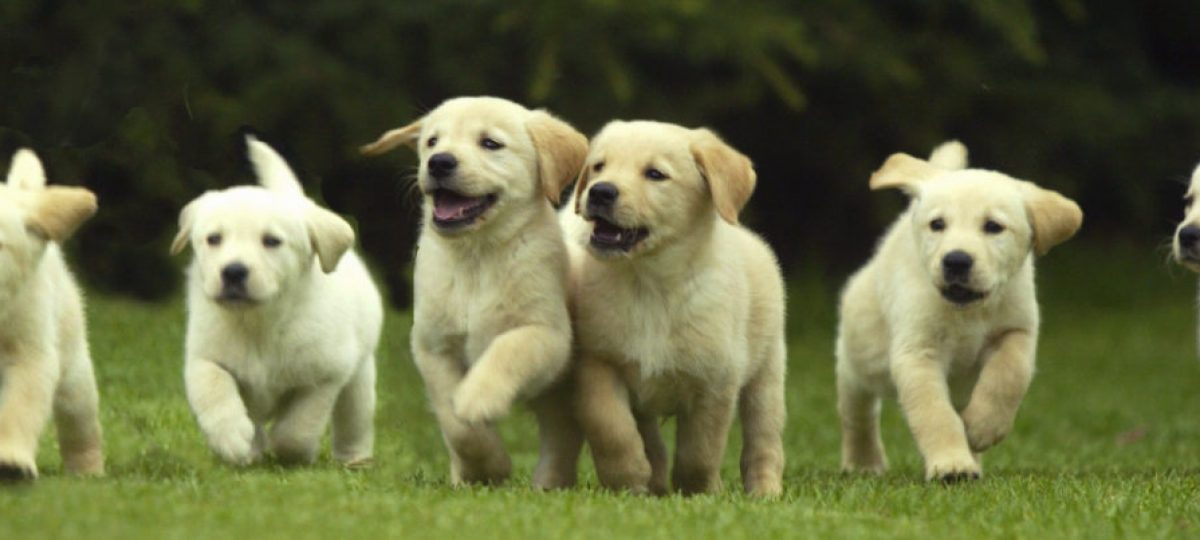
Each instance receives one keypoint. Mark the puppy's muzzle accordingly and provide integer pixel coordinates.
(442, 165)
(1189, 243)
(956, 273)
(233, 282)
(601, 199)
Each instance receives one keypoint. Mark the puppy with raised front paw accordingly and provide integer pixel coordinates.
(944, 317)
(490, 321)
(283, 322)
(45, 367)
(678, 310)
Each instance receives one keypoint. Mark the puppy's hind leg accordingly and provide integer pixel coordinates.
(862, 447)
(763, 413)
(354, 418)
(656, 452)
(561, 438)
(76, 413)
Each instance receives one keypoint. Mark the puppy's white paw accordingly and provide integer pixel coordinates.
(233, 441)
(954, 468)
(985, 426)
(479, 400)
(16, 466)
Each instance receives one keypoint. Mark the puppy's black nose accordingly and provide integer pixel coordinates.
(957, 264)
(602, 195)
(442, 164)
(1189, 236)
(234, 274)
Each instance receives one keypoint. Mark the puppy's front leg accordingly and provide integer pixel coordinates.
(701, 436)
(521, 361)
(26, 400)
(296, 433)
(476, 451)
(1002, 384)
(213, 395)
(925, 399)
(610, 427)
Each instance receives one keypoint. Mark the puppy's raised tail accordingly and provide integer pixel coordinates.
(272, 171)
(26, 171)
(950, 155)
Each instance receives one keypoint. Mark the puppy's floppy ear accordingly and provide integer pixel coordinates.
(25, 171)
(581, 184)
(1054, 218)
(730, 175)
(330, 235)
(59, 211)
(387, 142)
(560, 149)
(904, 172)
(187, 218)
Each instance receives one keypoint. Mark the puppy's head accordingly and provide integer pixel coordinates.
(646, 184)
(1187, 235)
(252, 243)
(975, 228)
(31, 216)
(483, 159)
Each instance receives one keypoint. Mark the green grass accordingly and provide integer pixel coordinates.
(1107, 443)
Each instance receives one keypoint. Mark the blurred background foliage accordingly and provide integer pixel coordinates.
(145, 102)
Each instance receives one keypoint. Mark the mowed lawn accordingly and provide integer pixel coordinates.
(1107, 443)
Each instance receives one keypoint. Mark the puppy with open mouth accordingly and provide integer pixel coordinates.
(283, 322)
(944, 317)
(490, 320)
(45, 366)
(678, 311)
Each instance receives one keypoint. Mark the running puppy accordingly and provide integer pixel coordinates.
(944, 316)
(678, 311)
(1186, 244)
(490, 322)
(45, 366)
(283, 322)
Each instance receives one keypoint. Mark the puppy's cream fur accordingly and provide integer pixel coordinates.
(268, 365)
(959, 364)
(45, 367)
(688, 322)
(490, 314)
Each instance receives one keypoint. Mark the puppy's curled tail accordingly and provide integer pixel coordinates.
(26, 171)
(950, 155)
(271, 169)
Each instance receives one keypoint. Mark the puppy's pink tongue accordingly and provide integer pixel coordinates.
(448, 205)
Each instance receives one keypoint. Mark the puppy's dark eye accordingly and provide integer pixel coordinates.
(431, 142)
(991, 227)
(937, 225)
(599, 166)
(271, 241)
(1188, 200)
(490, 143)
(213, 239)
(655, 174)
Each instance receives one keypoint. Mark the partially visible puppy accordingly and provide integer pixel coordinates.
(283, 322)
(45, 366)
(944, 316)
(678, 311)
(1186, 243)
(490, 322)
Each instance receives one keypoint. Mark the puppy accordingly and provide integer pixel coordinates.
(1186, 244)
(944, 316)
(490, 321)
(45, 366)
(678, 311)
(283, 322)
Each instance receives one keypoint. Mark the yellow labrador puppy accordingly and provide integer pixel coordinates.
(1186, 245)
(45, 367)
(490, 322)
(678, 311)
(283, 322)
(944, 316)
